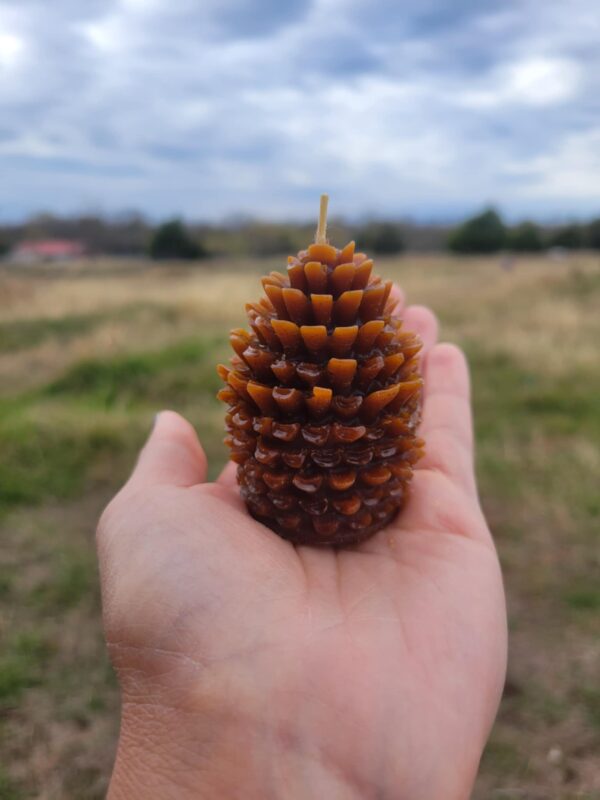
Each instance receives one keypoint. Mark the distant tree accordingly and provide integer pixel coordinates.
(484, 233)
(384, 238)
(571, 237)
(267, 239)
(593, 234)
(171, 240)
(4, 248)
(525, 238)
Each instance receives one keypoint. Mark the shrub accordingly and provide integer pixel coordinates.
(384, 238)
(525, 238)
(171, 240)
(571, 237)
(484, 233)
(593, 234)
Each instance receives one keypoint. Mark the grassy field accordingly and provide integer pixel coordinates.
(90, 352)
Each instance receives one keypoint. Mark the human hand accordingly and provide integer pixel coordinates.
(250, 668)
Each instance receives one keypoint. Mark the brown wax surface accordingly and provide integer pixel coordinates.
(324, 400)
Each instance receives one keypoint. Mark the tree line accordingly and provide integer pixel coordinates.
(487, 233)
(133, 235)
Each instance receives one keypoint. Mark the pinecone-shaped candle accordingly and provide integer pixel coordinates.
(324, 399)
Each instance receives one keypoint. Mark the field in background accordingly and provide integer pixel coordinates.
(88, 354)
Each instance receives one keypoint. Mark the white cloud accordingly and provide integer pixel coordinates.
(542, 81)
(12, 49)
(12, 45)
(142, 5)
(106, 34)
(570, 171)
(536, 82)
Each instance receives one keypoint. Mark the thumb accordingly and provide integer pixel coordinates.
(172, 456)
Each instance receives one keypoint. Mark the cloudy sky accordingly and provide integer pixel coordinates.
(215, 107)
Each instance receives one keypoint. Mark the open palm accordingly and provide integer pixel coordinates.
(253, 668)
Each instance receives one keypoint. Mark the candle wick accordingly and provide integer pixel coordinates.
(321, 235)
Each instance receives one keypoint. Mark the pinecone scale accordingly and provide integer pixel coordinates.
(324, 400)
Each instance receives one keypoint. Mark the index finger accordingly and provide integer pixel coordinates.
(447, 425)
(228, 476)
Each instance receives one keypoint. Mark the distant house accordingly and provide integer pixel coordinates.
(47, 250)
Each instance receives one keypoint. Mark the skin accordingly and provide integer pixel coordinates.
(250, 668)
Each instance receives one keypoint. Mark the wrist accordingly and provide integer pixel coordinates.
(222, 742)
(200, 732)
(170, 754)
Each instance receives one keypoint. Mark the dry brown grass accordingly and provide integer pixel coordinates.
(536, 307)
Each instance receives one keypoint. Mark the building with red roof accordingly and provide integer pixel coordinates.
(47, 250)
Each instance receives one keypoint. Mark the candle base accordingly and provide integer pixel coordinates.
(343, 537)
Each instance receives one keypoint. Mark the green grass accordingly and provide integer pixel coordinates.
(504, 758)
(24, 333)
(73, 575)
(584, 598)
(508, 397)
(8, 788)
(21, 334)
(21, 665)
(530, 428)
(173, 374)
(518, 410)
(45, 459)
(589, 697)
(55, 438)
(6, 583)
(535, 702)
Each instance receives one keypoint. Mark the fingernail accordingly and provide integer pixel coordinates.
(155, 420)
